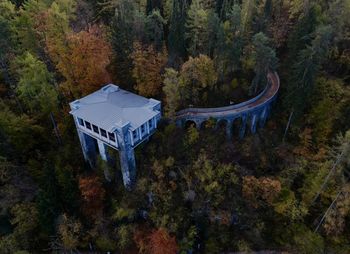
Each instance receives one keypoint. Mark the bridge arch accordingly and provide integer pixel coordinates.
(253, 112)
(190, 123)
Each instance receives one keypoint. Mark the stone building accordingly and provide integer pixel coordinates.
(116, 118)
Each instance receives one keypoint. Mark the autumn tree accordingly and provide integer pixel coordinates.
(84, 63)
(197, 77)
(93, 195)
(158, 241)
(54, 26)
(148, 65)
(70, 231)
(212, 181)
(25, 222)
(263, 189)
(335, 222)
(171, 91)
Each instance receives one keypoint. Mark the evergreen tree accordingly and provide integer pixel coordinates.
(35, 85)
(229, 43)
(48, 200)
(249, 8)
(305, 70)
(196, 29)
(122, 43)
(176, 38)
(155, 29)
(7, 16)
(264, 58)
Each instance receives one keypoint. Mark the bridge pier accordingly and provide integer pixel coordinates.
(199, 124)
(229, 126)
(253, 124)
(264, 115)
(255, 111)
(243, 127)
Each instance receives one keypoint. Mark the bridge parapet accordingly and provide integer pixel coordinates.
(254, 111)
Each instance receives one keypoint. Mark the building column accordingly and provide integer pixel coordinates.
(140, 133)
(105, 157)
(127, 157)
(243, 127)
(102, 150)
(253, 124)
(229, 126)
(154, 122)
(132, 138)
(88, 147)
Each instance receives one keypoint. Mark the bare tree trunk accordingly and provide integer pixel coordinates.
(288, 125)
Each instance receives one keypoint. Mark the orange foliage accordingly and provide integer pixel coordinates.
(82, 61)
(256, 189)
(148, 65)
(162, 243)
(93, 195)
(157, 242)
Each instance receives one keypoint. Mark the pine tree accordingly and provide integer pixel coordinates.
(264, 58)
(48, 200)
(122, 44)
(176, 38)
(155, 29)
(35, 85)
(229, 43)
(305, 70)
(7, 16)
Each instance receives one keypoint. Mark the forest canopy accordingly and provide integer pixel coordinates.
(284, 189)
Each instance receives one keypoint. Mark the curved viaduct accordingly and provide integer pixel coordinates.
(251, 112)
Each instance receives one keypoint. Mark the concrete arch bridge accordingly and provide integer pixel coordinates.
(253, 112)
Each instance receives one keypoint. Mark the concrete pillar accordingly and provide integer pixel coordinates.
(105, 157)
(127, 157)
(198, 124)
(229, 127)
(179, 123)
(253, 124)
(263, 117)
(243, 127)
(88, 147)
(102, 149)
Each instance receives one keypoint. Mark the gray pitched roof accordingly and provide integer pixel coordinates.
(112, 107)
